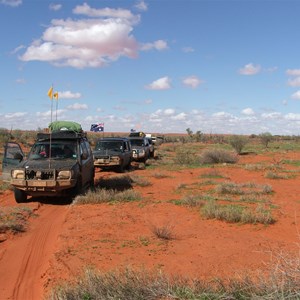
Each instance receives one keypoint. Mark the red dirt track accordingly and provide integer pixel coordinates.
(64, 239)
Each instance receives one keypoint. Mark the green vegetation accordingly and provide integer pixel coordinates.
(282, 281)
(238, 143)
(103, 196)
(14, 219)
(237, 213)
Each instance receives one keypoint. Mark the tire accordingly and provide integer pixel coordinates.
(20, 196)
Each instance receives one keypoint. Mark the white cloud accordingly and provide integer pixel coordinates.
(292, 117)
(293, 72)
(55, 7)
(294, 82)
(77, 106)
(192, 81)
(179, 117)
(21, 81)
(93, 42)
(15, 115)
(142, 6)
(271, 115)
(188, 49)
(250, 69)
(248, 111)
(68, 95)
(169, 112)
(118, 13)
(163, 83)
(148, 101)
(296, 95)
(157, 45)
(13, 3)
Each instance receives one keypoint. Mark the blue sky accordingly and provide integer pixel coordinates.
(230, 66)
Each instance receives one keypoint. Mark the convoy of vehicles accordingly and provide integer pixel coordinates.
(113, 153)
(59, 163)
(62, 163)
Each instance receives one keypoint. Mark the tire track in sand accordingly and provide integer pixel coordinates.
(26, 259)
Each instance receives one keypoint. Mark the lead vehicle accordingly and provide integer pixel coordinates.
(59, 164)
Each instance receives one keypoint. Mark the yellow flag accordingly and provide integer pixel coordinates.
(55, 95)
(50, 93)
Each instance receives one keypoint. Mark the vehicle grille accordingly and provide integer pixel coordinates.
(40, 174)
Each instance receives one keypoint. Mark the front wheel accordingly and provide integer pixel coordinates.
(20, 196)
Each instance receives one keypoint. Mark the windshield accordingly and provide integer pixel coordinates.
(137, 142)
(59, 150)
(109, 145)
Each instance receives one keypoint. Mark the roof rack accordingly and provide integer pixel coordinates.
(63, 134)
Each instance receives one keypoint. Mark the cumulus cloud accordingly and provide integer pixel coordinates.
(293, 72)
(296, 95)
(188, 49)
(192, 81)
(142, 6)
(163, 83)
(250, 69)
(47, 114)
(157, 45)
(179, 117)
(102, 38)
(292, 117)
(69, 95)
(13, 3)
(15, 115)
(294, 82)
(248, 111)
(77, 106)
(55, 7)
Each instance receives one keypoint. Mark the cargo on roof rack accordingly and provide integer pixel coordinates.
(64, 134)
(65, 125)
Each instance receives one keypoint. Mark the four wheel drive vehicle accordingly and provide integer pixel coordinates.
(141, 148)
(151, 147)
(59, 164)
(113, 153)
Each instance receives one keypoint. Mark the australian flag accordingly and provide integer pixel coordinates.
(97, 127)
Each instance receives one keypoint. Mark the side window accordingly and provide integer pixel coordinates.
(125, 146)
(88, 147)
(83, 149)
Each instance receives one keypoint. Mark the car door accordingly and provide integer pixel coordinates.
(13, 155)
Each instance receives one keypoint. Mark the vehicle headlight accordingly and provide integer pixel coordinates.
(64, 174)
(18, 174)
(142, 152)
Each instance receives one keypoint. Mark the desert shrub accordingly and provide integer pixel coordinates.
(102, 195)
(212, 173)
(216, 156)
(280, 279)
(192, 200)
(237, 213)
(185, 156)
(140, 181)
(164, 232)
(274, 175)
(14, 219)
(243, 188)
(238, 142)
(265, 138)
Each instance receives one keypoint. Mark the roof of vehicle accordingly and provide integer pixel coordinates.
(113, 139)
(61, 135)
(136, 138)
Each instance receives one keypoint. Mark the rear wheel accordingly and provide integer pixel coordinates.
(20, 196)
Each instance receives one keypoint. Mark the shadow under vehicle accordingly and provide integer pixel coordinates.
(60, 163)
(113, 154)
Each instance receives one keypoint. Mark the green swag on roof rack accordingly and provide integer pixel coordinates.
(65, 125)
